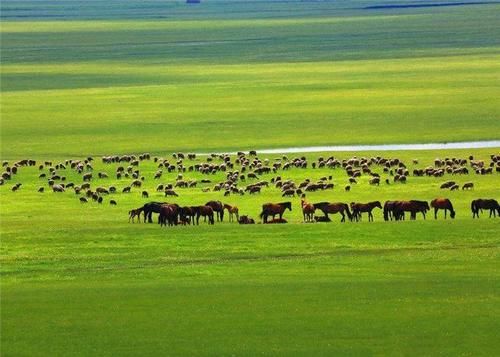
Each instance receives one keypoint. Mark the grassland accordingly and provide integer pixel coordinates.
(356, 76)
(85, 78)
(78, 279)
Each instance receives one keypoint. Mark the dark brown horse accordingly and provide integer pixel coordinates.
(412, 206)
(480, 204)
(218, 208)
(442, 203)
(204, 211)
(273, 209)
(336, 207)
(358, 208)
(169, 214)
(388, 210)
(187, 214)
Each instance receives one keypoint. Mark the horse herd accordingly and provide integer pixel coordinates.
(170, 214)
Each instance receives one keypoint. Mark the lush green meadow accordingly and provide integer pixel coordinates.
(83, 78)
(79, 279)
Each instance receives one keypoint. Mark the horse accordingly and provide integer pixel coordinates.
(246, 220)
(205, 211)
(232, 210)
(442, 203)
(168, 215)
(132, 213)
(187, 214)
(412, 206)
(358, 208)
(150, 208)
(273, 209)
(481, 204)
(218, 208)
(389, 210)
(307, 210)
(336, 207)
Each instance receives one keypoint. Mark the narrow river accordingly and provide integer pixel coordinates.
(388, 147)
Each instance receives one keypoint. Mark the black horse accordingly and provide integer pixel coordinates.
(480, 204)
(150, 208)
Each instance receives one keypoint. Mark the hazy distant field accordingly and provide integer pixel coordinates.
(335, 74)
(83, 78)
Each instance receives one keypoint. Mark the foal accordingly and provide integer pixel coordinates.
(233, 210)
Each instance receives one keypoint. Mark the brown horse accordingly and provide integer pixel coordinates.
(412, 206)
(442, 203)
(169, 214)
(480, 204)
(205, 211)
(358, 208)
(337, 207)
(273, 209)
(218, 208)
(131, 214)
(246, 220)
(307, 210)
(187, 214)
(232, 210)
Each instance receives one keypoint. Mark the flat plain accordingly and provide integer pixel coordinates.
(86, 79)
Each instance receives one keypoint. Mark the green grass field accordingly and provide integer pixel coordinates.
(79, 279)
(92, 78)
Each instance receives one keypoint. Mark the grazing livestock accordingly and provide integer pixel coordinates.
(333, 208)
(273, 209)
(413, 206)
(307, 210)
(83, 200)
(112, 202)
(133, 213)
(233, 211)
(489, 204)
(126, 189)
(204, 211)
(442, 203)
(246, 220)
(454, 187)
(171, 193)
(218, 208)
(144, 194)
(359, 208)
(468, 186)
(41, 189)
(169, 214)
(150, 208)
(58, 188)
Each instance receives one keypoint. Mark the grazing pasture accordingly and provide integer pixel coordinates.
(334, 74)
(84, 272)
(80, 275)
